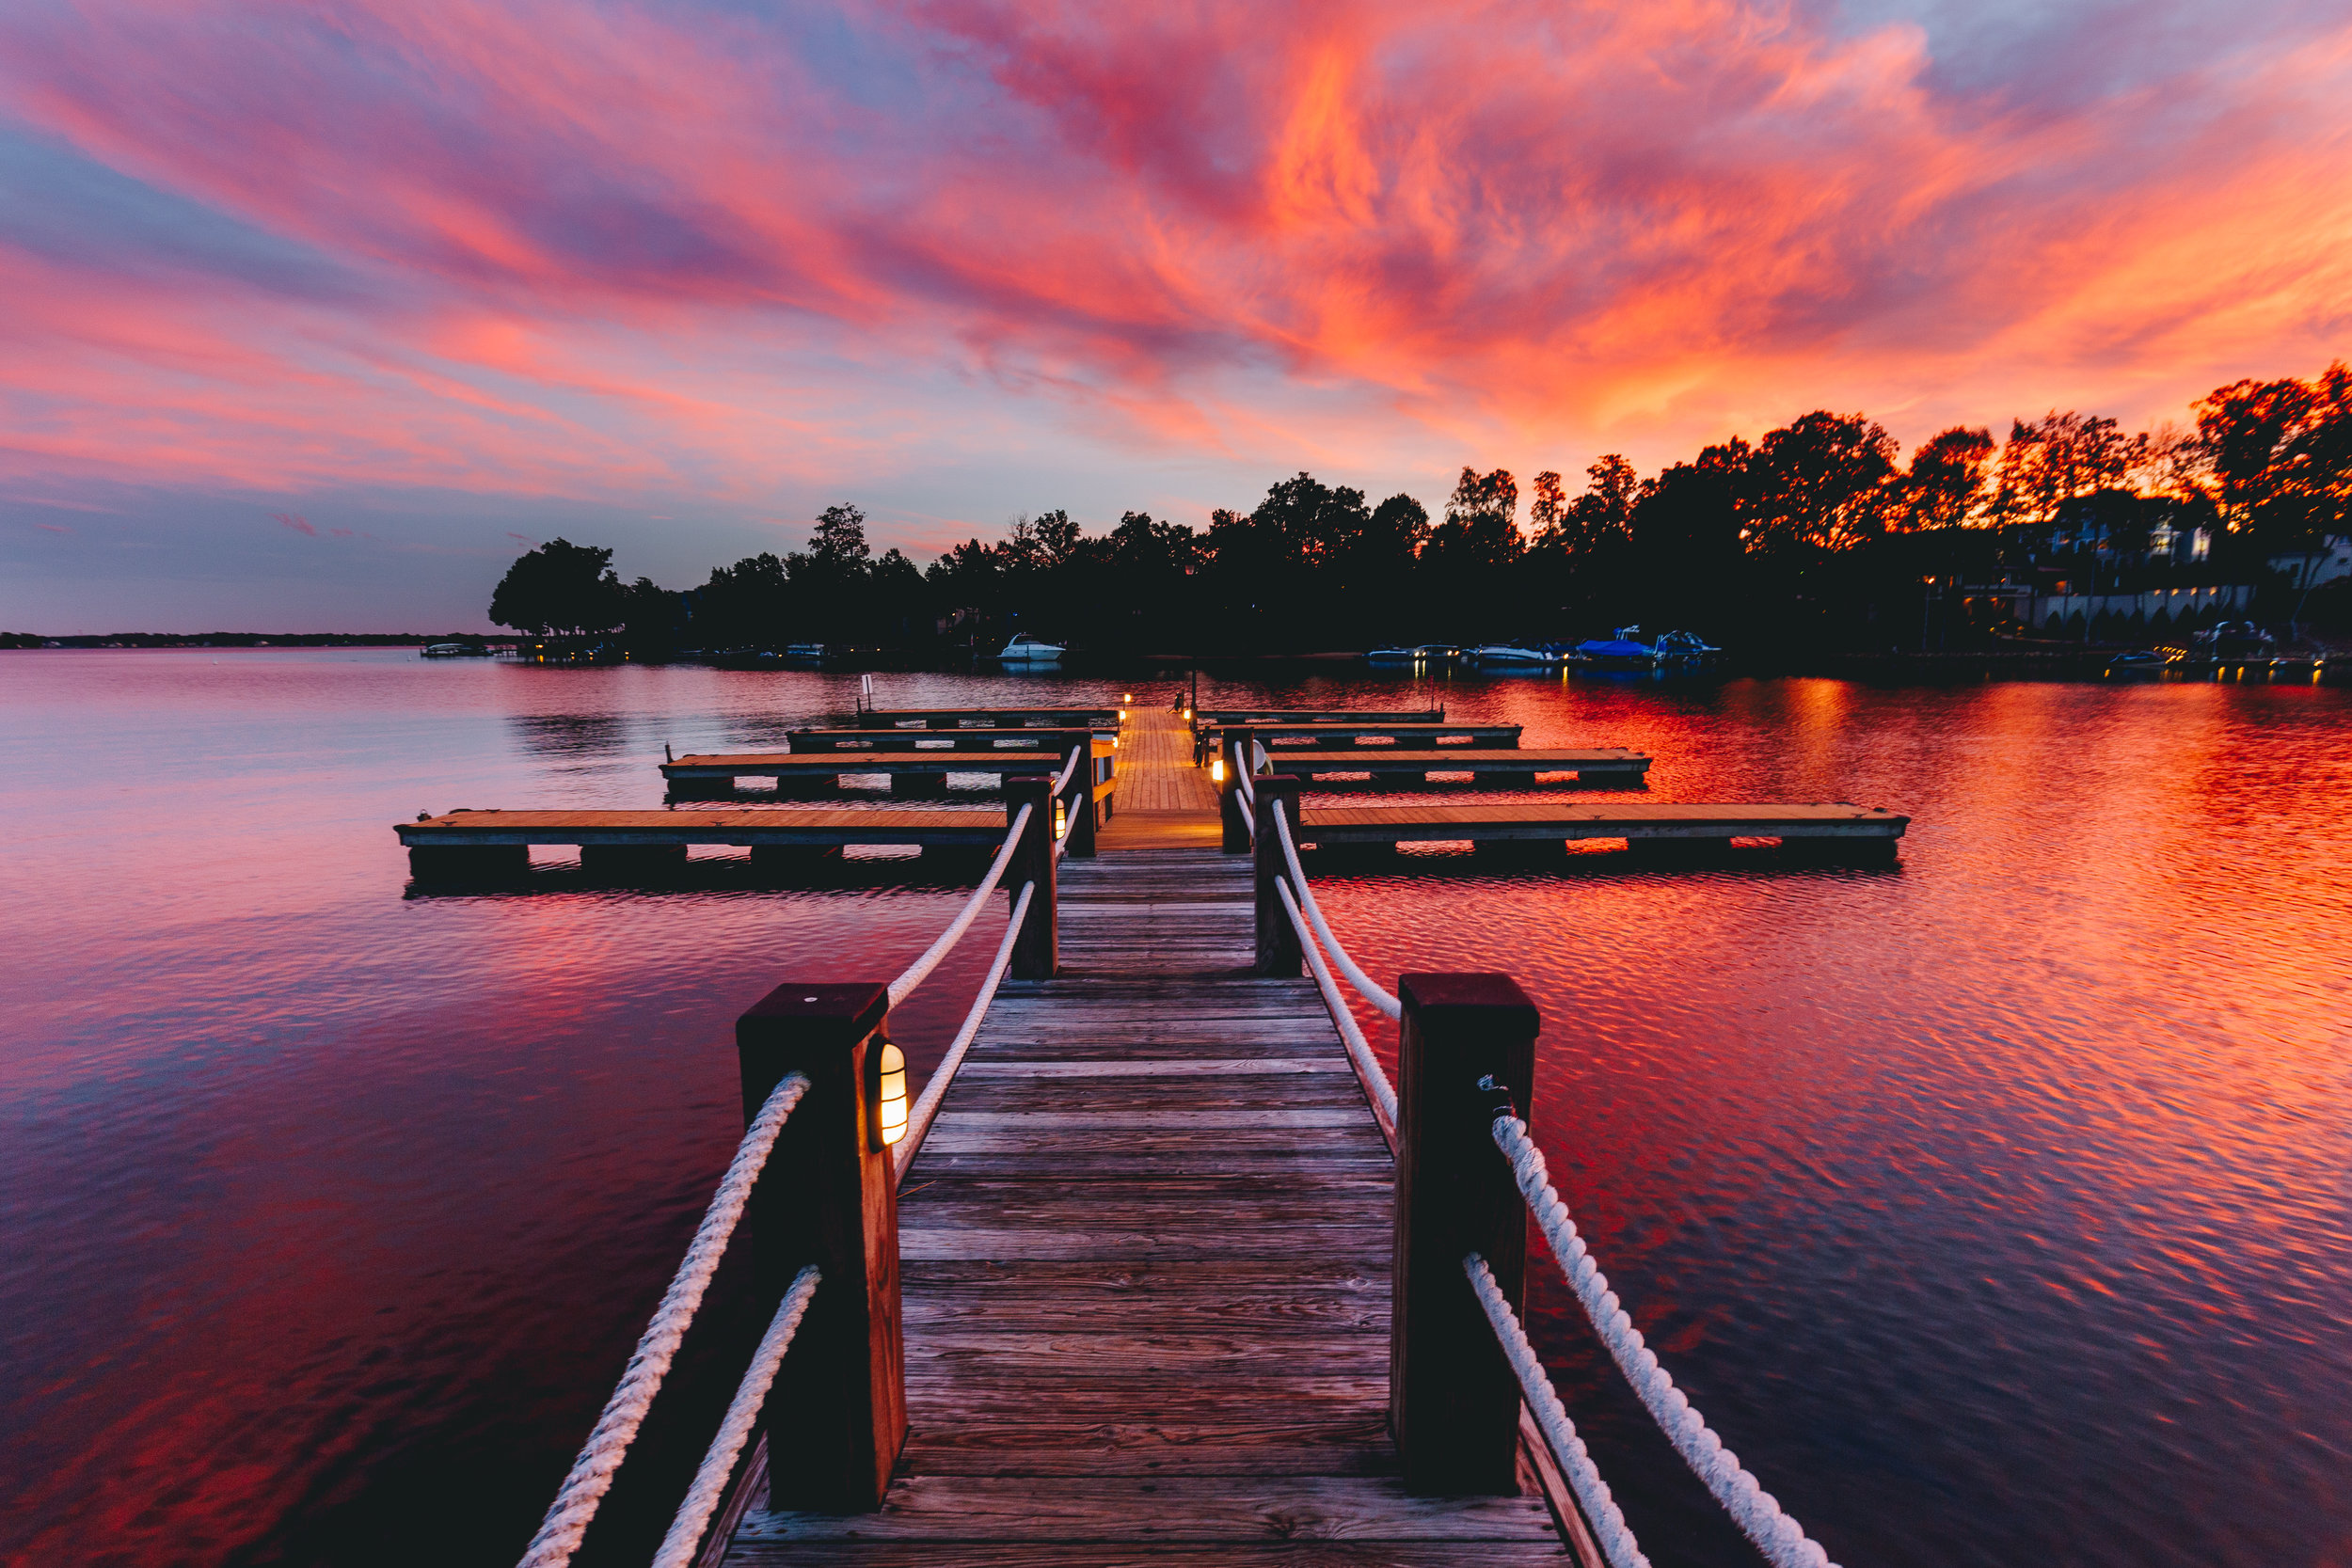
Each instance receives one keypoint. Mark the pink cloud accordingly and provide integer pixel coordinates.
(652, 252)
(298, 524)
(53, 527)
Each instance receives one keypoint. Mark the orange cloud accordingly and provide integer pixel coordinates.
(540, 250)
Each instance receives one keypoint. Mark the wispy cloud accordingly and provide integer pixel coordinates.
(704, 250)
(299, 525)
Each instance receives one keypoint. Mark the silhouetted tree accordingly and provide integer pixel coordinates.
(1947, 484)
(560, 587)
(1820, 480)
(2050, 462)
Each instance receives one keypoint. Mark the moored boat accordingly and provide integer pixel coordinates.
(1624, 651)
(1504, 654)
(1025, 649)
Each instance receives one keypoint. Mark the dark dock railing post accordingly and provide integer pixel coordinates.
(1081, 796)
(1037, 951)
(1236, 839)
(1452, 1402)
(1278, 951)
(837, 1416)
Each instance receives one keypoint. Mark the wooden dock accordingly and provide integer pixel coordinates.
(963, 718)
(1145, 1260)
(1357, 733)
(716, 775)
(1401, 768)
(1208, 716)
(992, 739)
(1151, 1288)
(1635, 821)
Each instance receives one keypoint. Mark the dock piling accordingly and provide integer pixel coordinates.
(1081, 808)
(1036, 953)
(837, 1416)
(1278, 939)
(1453, 1402)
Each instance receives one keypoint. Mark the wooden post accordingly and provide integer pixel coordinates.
(1279, 952)
(837, 1416)
(1453, 1402)
(1081, 798)
(1036, 952)
(1236, 839)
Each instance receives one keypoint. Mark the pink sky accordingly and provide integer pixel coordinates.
(432, 280)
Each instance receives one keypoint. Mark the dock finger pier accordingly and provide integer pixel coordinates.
(1162, 1264)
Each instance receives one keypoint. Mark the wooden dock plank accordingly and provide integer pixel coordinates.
(1125, 1554)
(1177, 1507)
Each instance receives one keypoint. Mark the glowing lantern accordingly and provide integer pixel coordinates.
(890, 1099)
(1216, 769)
(1061, 816)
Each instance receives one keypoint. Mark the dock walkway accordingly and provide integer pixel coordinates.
(1145, 1256)
(1146, 1259)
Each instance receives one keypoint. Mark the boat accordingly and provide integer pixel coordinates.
(1394, 655)
(1504, 653)
(2234, 643)
(805, 653)
(453, 650)
(2140, 661)
(1025, 649)
(1624, 651)
(1684, 647)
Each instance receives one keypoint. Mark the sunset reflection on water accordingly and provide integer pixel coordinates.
(1992, 1205)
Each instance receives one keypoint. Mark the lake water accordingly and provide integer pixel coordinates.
(1995, 1207)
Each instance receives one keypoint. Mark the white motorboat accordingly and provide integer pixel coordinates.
(1512, 652)
(1025, 649)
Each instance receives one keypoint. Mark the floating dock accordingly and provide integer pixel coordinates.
(992, 739)
(1397, 768)
(976, 718)
(1867, 829)
(1206, 717)
(719, 775)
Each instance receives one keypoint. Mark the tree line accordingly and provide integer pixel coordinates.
(1816, 534)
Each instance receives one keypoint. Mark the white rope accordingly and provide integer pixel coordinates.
(1373, 993)
(710, 1482)
(591, 1474)
(1778, 1536)
(920, 970)
(1062, 782)
(919, 1119)
(1358, 1050)
(1551, 1417)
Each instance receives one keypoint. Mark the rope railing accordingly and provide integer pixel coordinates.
(920, 970)
(1375, 1081)
(1372, 990)
(1601, 1510)
(616, 1427)
(1758, 1514)
(926, 1107)
(680, 1546)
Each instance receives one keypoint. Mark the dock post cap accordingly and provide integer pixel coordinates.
(856, 1007)
(1466, 991)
